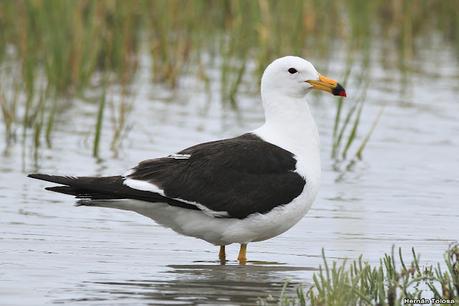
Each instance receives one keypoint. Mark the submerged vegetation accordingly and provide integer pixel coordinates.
(388, 283)
(55, 52)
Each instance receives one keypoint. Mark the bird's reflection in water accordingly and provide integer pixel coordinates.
(204, 283)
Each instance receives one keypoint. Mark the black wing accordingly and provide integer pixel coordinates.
(233, 178)
(238, 176)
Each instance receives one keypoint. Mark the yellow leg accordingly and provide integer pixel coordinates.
(222, 253)
(242, 253)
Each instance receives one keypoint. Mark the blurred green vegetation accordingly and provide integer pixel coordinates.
(52, 51)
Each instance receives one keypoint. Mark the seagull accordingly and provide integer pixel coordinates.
(239, 190)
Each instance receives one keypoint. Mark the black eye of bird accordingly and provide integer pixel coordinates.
(292, 70)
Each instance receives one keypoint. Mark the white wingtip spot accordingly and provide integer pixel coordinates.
(143, 185)
(211, 212)
(179, 156)
(204, 209)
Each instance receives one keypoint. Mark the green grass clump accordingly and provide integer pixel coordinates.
(58, 51)
(359, 283)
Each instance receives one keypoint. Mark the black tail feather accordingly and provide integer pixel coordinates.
(63, 189)
(83, 194)
(58, 179)
(88, 188)
(83, 187)
(98, 188)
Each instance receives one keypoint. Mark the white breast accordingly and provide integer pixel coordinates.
(300, 137)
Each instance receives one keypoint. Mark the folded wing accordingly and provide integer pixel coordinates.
(228, 178)
(231, 178)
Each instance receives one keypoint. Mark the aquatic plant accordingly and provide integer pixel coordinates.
(59, 50)
(388, 283)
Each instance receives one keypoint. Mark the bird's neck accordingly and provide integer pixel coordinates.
(289, 124)
(289, 117)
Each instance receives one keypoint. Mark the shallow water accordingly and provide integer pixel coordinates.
(404, 193)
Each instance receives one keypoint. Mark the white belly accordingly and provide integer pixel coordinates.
(221, 231)
(224, 231)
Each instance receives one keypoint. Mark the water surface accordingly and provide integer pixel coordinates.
(404, 193)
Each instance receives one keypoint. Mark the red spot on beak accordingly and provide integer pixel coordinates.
(339, 90)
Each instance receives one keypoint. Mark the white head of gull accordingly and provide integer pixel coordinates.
(238, 190)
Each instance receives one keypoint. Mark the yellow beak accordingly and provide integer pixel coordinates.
(328, 85)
